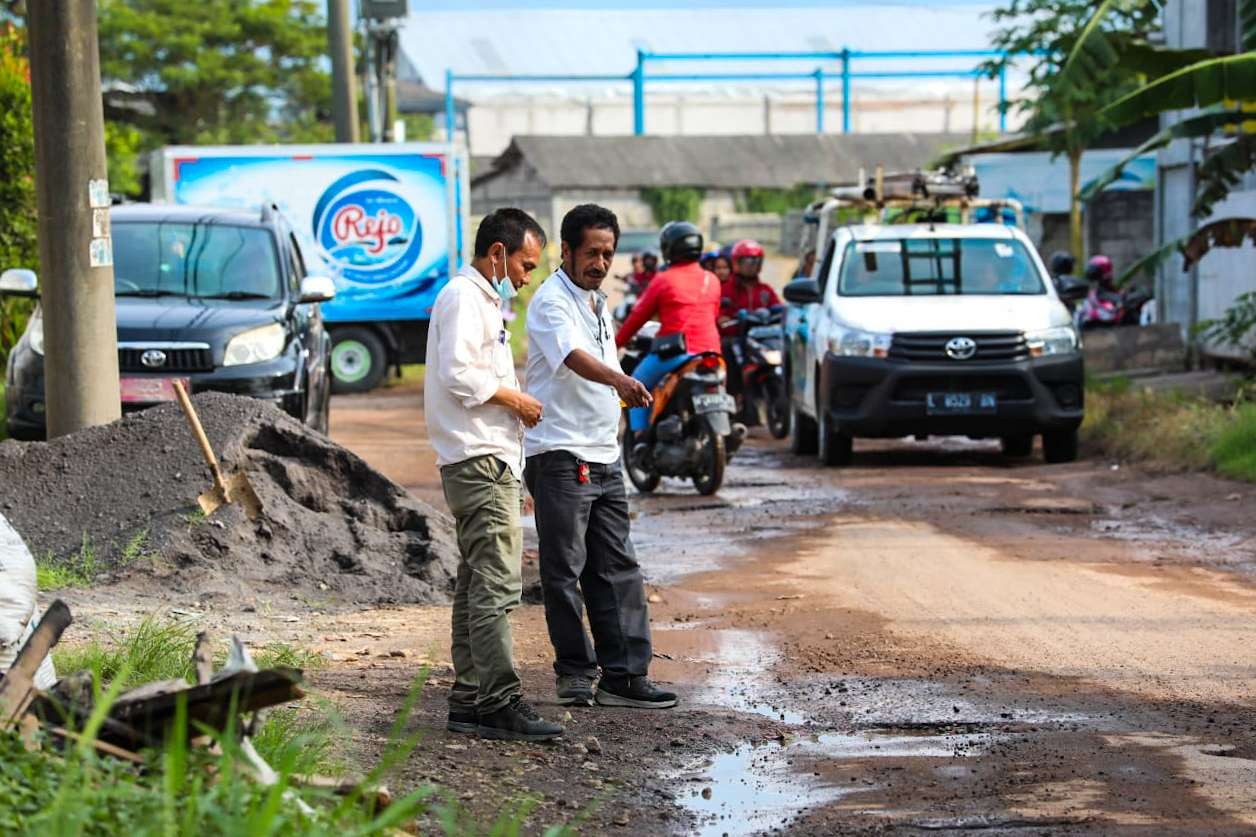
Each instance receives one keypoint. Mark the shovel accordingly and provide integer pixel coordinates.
(238, 489)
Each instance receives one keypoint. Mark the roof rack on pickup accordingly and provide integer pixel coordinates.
(911, 197)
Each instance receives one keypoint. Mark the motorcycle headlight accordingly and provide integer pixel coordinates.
(772, 357)
(35, 335)
(1061, 340)
(255, 345)
(855, 343)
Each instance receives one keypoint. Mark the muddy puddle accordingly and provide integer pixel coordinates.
(762, 787)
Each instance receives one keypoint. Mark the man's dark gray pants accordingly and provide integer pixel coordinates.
(585, 549)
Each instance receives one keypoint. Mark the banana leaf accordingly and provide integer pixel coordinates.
(1222, 171)
(1227, 232)
(1204, 125)
(1201, 84)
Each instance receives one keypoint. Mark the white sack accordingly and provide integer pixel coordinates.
(19, 612)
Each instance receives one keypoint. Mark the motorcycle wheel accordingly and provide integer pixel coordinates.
(778, 409)
(710, 475)
(644, 481)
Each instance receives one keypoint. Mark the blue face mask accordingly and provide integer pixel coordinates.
(505, 288)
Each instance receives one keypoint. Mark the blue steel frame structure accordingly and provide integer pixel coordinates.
(638, 77)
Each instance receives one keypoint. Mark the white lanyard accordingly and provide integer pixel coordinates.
(598, 332)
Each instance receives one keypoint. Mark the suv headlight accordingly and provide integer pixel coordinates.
(855, 343)
(255, 345)
(1061, 340)
(35, 335)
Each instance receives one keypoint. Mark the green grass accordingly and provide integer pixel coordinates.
(193, 791)
(411, 374)
(1170, 430)
(1234, 450)
(81, 568)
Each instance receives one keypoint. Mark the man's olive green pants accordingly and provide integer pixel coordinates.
(483, 495)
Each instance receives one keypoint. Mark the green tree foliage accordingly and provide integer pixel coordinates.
(673, 203)
(18, 243)
(777, 201)
(1067, 117)
(218, 71)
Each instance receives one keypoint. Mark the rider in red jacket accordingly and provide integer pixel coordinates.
(743, 290)
(686, 299)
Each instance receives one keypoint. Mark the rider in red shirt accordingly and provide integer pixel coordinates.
(743, 290)
(686, 299)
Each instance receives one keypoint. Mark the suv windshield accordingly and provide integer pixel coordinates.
(938, 266)
(210, 261)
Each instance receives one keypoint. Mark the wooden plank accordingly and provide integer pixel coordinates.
(211, 704)
(17, 689)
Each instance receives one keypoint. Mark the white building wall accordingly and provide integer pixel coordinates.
(495, 119)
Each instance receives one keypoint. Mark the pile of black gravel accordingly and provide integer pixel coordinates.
(332, 526)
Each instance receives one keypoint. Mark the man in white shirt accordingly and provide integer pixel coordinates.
(573, 473)
(475, 419)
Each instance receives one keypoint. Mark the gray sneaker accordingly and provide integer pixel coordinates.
(574, 690)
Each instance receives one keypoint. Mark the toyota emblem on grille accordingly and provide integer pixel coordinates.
(960, 348)
(153, 358)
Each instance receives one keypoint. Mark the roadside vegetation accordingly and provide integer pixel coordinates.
(185, 790)
(81, 568)
(1171, 430)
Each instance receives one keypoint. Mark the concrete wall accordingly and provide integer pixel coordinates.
(1121, 226)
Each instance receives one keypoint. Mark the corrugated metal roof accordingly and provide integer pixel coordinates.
(728, 162)
(581, 41)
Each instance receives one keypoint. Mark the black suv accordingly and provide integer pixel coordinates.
(217, 298)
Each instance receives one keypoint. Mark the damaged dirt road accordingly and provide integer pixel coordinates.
(932, 640)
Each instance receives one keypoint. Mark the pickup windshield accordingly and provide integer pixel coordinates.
(207, 261)
(938, 267)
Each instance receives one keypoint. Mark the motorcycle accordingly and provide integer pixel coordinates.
(1129, 306)
(760, 344)
(691, 433)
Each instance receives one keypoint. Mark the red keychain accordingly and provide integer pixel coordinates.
(582, 473)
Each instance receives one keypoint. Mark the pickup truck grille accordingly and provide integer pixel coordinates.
(176, 360)
(931, 346)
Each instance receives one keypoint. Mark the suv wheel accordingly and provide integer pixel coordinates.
(1017, 447)
(1059, 446)
(835, 447)
(358, 360)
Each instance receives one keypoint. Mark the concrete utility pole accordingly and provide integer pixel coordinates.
(344, 93)
(75, 250)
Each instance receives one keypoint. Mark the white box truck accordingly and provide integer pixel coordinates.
(389, 221)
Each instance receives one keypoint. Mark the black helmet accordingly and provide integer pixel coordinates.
(1062, 263)
(680, 242)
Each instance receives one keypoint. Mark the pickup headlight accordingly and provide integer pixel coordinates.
(35, 335)
(855, 343)
(1061, 340)
(255, 345)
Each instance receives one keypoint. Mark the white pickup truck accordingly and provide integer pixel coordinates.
(924, 329)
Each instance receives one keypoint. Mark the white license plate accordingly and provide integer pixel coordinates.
(714, 403)
(961, 403)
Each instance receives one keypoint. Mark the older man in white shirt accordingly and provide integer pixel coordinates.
(475, 419)
(573, 473)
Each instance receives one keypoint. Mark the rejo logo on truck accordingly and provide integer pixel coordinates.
(368, 226)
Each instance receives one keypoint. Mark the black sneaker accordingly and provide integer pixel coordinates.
(636, 692)
(517, 721)
(462, 720)
(574, 690)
